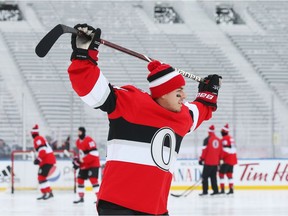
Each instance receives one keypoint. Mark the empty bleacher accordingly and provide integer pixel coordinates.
(47, 78)
(10, 117)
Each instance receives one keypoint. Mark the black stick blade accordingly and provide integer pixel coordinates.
(48, 41)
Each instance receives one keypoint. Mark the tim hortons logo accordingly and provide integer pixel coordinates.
(251, 173)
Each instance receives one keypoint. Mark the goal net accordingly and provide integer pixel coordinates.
(24, 173)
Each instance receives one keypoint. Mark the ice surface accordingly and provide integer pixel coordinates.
(242, 203)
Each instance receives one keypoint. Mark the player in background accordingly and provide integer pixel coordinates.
(211, 154)
(145, 130)
(46, 161)
(88, 163)
(229, 160)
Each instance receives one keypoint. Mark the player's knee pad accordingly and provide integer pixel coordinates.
(80, 181)
(42, 178)
(94, 181)
(229, 175)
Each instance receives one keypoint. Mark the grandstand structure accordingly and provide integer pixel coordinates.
(253, 62)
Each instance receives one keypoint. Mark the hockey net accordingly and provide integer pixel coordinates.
(24, 172)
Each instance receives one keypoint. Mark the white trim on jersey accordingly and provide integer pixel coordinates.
(231, 150)
(46, 148)
(99, 93)
(94, 153)
(134, 152)
(163, 79)
(195, 112)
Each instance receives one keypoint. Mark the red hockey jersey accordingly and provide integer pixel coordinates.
(212, 151)
(143, 142)
(88, 153)
(229, 150)
(45, 152)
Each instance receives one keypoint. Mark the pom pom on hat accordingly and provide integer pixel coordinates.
(163, 79)
(35, 129)
(225, 128)
(211, 128)
(153, 65)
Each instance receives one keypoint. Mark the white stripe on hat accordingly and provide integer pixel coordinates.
(35, 130)
(163, 79)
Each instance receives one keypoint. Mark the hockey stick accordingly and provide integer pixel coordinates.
(52, 36)
(70, 155)
(188, 190)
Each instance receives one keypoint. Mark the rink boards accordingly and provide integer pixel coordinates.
(248, 174)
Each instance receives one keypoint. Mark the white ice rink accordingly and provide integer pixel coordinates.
(243, 202)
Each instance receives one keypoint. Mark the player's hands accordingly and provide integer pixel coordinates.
(86, 45)
(36, 161)
(200, 162)
(208, 90)
(76, 163)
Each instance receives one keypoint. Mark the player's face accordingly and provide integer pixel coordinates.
(79, 133)
(173, 100)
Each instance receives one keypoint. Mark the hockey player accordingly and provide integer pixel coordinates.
(229, 160)
(88, 163)
(46, 161)
(210, 156)
(145, 130)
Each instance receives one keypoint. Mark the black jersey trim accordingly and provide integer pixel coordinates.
(122, 129)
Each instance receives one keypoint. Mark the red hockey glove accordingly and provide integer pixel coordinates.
(84, 48)
(208, 91)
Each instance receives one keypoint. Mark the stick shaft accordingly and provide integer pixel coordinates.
(51, 37)
(148, 59)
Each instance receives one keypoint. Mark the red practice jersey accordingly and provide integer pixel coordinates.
(88, 153)
(143, 141)
(212, 150)
(45, 152)
(229, 150)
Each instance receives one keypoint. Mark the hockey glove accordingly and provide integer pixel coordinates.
(36, 161)
(200, 162)
(76, 163)
(208, 91)
(84, 48)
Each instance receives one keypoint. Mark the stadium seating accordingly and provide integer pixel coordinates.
(62, 110)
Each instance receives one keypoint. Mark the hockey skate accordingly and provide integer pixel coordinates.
(81, 200)
(230, 191)
(222, 191)
(203, 194)
(48, 196)
(214, 193)
(42, 197)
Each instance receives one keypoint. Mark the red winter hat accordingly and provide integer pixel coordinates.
(163, 79)
(225, 128)
(211, 128)
(35, 129)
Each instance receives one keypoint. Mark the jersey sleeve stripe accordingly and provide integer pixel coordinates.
(99, 93)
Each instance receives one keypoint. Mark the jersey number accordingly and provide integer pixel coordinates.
(162, 155)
